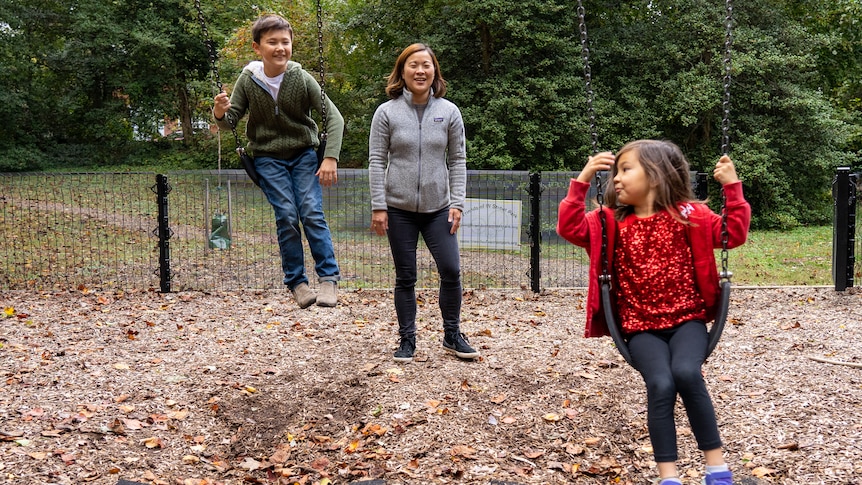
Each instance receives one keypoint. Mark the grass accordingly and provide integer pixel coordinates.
(801, 256)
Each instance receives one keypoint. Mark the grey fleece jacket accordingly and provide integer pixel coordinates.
(283, 128)
(417, 165)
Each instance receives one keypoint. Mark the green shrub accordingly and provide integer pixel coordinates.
(20, 159)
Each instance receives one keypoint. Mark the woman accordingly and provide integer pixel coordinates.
(417, 171)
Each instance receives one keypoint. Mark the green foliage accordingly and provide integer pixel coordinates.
(19, 159)
(85, 81)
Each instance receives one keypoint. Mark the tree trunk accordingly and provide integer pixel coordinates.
(185, 114)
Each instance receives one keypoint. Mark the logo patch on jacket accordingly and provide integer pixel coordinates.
(685, 210)
(438, 120)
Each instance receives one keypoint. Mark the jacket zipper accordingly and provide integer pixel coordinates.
(419, 178)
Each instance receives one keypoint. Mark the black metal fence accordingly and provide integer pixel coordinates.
(846, 240)
(208, 230)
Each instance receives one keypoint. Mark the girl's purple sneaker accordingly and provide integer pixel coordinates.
(719, 478)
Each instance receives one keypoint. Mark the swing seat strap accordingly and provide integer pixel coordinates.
(720, 318)
(613, 326)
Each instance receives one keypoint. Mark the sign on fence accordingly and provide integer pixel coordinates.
(491, 224)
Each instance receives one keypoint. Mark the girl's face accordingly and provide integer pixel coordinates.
(632, 185)
(275, 49)
(418, 75)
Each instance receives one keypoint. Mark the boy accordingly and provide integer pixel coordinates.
(278, 96)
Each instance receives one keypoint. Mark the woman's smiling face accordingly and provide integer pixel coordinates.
(419, 75)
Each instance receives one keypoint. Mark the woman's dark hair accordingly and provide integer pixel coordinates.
(395, 83)
(667, 171)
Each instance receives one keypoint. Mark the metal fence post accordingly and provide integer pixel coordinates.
(164, 233)
(701, 190)
(535, 231)
(843, 229)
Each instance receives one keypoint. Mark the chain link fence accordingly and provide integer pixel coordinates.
(63, 230)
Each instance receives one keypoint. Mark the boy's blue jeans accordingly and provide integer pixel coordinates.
(296, 197)
(404, 230)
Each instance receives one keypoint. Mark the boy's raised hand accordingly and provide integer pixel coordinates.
(597, 163)
(725, 171)
(221, 104)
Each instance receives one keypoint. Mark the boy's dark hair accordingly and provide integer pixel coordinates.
(395, 83)
(268, 22)
(666, 169)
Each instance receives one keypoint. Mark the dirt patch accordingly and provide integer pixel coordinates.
(244, 387)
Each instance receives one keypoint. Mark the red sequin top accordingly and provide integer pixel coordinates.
(655, 274)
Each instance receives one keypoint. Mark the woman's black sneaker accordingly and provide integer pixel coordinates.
(406, 349)
(458, 345)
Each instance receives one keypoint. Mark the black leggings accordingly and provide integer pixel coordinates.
(404, 230)
(670, 362)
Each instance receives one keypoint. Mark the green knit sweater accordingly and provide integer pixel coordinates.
(282, 128)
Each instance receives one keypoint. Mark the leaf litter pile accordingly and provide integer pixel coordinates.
(102, 386)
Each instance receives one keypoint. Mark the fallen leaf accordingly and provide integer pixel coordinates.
(592, 441)
(154, 442)
(133, 424)
(762, 471)
(373, 429)
(320, 464)
(463, 451)
(249, 464)
(179, 415)
(533, 454)
(551, 417)
(573, 449)
(353, 446)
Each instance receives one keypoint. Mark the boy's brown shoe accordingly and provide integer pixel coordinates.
(328, 295)
(303, 295)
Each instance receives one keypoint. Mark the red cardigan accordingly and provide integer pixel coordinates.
(585, 230)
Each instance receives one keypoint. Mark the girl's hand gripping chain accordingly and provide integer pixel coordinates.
(597, 163)
(725, 171)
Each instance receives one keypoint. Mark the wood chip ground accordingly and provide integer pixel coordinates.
(100, 386)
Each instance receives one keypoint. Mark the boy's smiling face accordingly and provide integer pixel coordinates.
(275, 49)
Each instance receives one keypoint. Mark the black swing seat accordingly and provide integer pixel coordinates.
(622, 345)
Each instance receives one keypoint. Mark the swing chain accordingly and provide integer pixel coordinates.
(211, 48)
(725, 273)
(594, 138)
(321, 66)
(728, 43)
(588, 78)
(725, 130)
(210, 45)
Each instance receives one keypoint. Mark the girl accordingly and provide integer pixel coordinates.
(660, 243)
